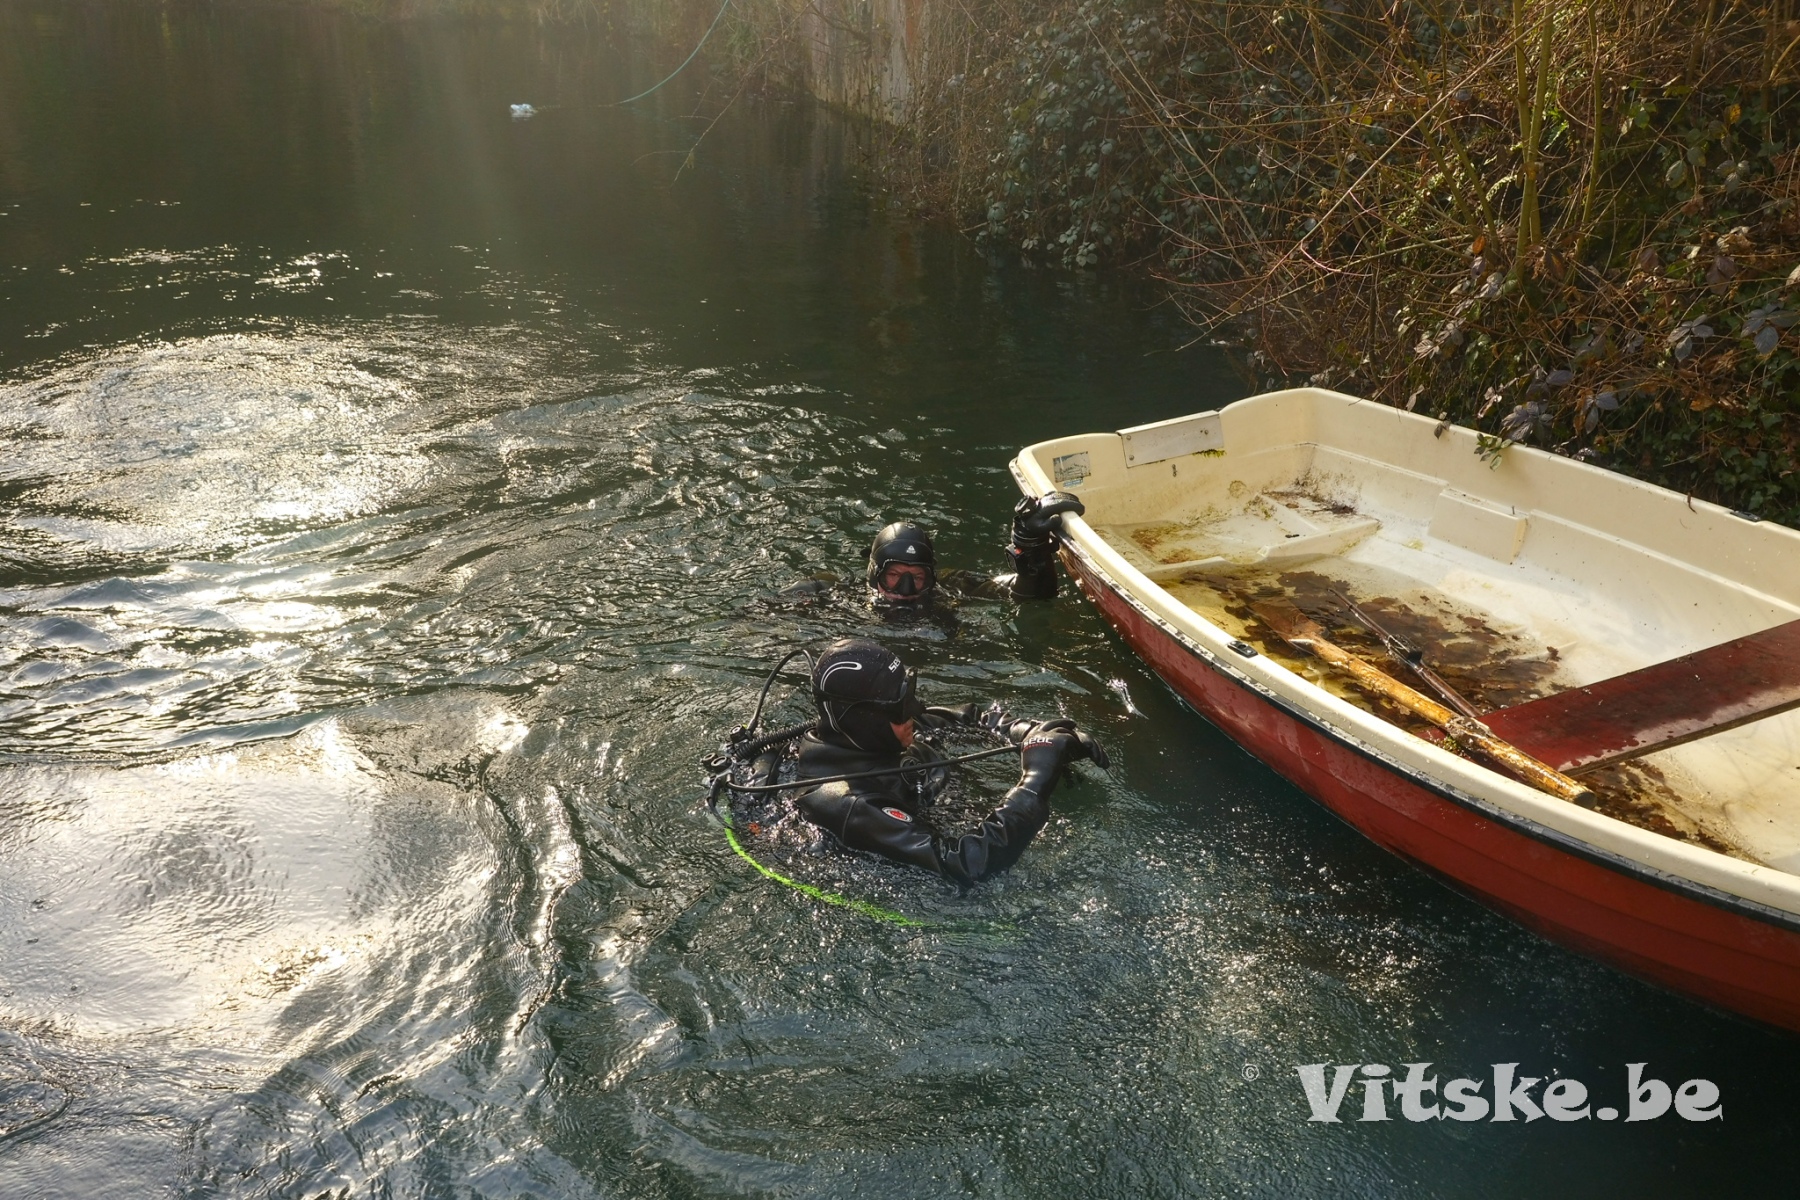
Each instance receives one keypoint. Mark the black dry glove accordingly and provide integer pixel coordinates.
(995, 719)
(1048, 750)
(1037, 520)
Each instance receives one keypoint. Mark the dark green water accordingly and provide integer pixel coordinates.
(389, 499)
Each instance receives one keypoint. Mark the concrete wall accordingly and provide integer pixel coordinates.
(865, 54)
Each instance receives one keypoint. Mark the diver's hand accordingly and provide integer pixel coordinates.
(1087, 748)
(1019, 731)
(1038, 519)
(997, 720)
(1051, 746)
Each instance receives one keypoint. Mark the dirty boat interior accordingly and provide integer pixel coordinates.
(1522, 580)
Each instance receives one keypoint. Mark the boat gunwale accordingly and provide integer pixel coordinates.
(1656, 859)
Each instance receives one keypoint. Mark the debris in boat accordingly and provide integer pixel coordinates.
(1301, 631)
(1412, 657)
(1639, 794)
(1313, 500)
(1489, 667)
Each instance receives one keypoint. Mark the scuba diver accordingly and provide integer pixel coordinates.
(869, 718)
(903, 575)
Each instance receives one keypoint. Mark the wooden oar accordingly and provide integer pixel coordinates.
(1302, 632)
(1413, 658)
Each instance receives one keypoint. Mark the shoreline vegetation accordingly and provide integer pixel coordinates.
(1569, 225)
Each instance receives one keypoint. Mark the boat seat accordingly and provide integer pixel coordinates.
(1266, 533)
(1164, 572)
(1294, 548)
(1660, 706)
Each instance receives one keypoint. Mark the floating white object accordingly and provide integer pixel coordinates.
(523, 112)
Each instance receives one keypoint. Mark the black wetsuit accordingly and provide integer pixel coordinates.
(881, 815)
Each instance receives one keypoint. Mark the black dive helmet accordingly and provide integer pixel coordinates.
(863, 690)
(903, 542)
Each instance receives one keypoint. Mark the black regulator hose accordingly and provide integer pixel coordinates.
(763, 698)
(901, 769)
(744, 752)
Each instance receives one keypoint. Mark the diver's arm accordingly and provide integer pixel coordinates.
(1033, 576)
(940, 716)
(1001, 838)
(1036, 534)
(1039, 585)
(861, 822)
(868, 820)
(971, 585)
(806, 589)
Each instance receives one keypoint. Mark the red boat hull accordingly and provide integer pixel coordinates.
(1705, 944)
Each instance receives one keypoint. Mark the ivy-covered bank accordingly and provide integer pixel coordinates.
(1574, 225)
